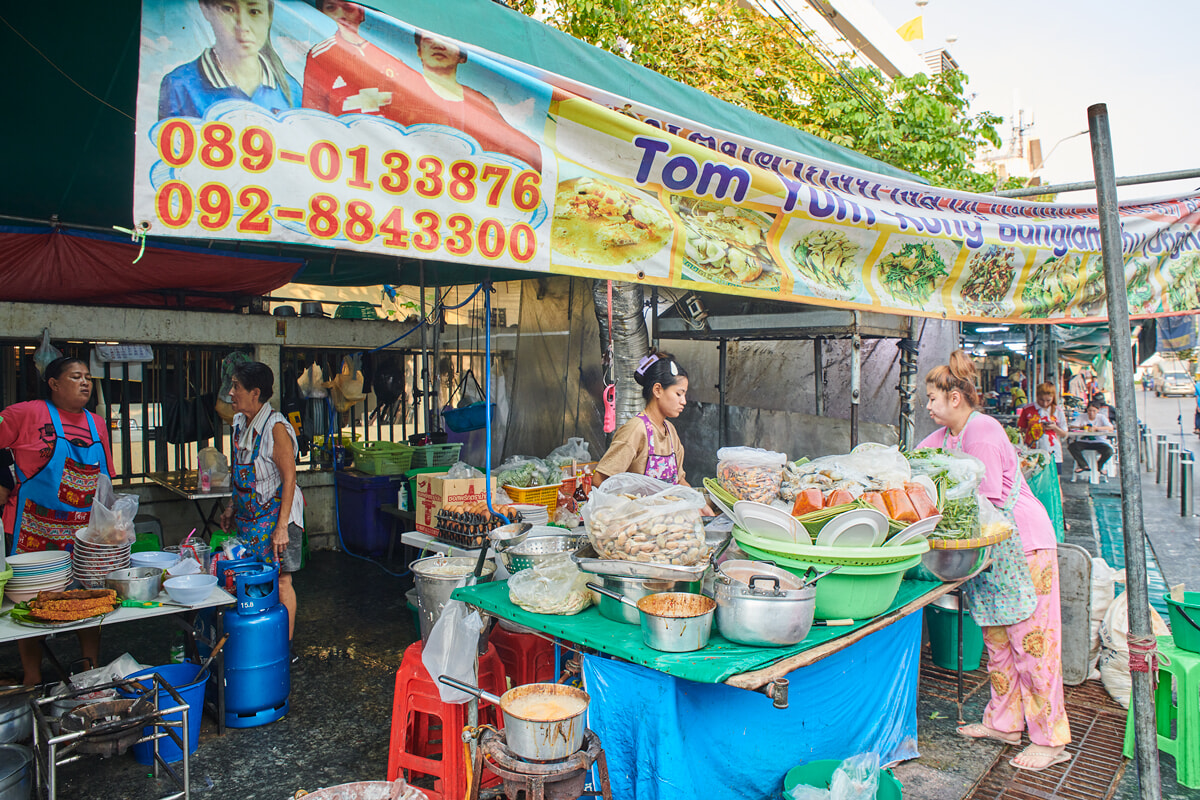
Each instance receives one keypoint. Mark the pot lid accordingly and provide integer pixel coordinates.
(13, 757)
(740, 571)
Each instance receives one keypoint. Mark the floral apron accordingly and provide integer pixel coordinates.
(1003, 595)
(56, 501)
(255, 520)
(665, 468)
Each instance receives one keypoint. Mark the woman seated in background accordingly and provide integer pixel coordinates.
(1094, 418)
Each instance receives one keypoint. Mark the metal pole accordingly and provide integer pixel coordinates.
(909, 348)
(1149, 775)
(1150, 451)
(818, 377)
(1172, 468)
(424, 421)
(722, 427)
(1160, 456)
(855, 385)
(1186, 487)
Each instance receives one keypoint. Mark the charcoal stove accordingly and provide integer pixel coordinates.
(109, 728)
(540, 780)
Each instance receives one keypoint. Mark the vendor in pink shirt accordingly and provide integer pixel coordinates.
(60, 449)
(1025, 658)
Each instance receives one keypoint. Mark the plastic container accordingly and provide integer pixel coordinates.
(536, 495)
(436, 455)
(820, 773)
(182, 678)
(381, 458)
(854, 592)
(943, 637)
(190, 589)
(365, 529)
(1185, 621)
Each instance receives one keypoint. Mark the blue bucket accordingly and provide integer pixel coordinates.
(182, 678)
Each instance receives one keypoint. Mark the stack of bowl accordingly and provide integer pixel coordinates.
(48, 571)
(92, 562)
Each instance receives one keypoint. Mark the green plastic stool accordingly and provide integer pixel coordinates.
(1185, 747)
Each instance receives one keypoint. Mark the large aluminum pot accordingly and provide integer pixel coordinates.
(16, 772)
(436, 577)
(136, 583)
(763, 613)
(542, 721)
(16, 718)
(635, 589)
(672, 622)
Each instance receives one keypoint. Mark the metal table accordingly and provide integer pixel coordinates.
(187, 486)
(184, 616)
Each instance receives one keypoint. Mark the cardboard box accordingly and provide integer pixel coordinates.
(435, 490)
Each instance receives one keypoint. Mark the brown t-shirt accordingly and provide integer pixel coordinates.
(628, 451)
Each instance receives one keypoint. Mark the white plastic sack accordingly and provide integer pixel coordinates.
(575, 450)
(1114, 647)
(750, 473)
(312, 382)
(214, 462)
(634, 517)
(451, 649)
(1104, 582)
(45, 353)
(555, 586)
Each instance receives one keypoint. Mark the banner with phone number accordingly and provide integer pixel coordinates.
(342, 127)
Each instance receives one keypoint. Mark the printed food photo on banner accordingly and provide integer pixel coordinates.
(1143, 293)
(726, 244)
(911, 269)
(1052, 284)
(989, 280)
(1090, 302)
(1183, 283)
(824, 261)
(601, 223)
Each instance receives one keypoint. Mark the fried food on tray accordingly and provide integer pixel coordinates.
(72, 605)
(606, 224)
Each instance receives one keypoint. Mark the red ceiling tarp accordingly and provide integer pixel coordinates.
(57, 265)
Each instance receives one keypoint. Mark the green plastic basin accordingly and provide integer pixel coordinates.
(854, 592)
(1185, 620)
(819, 774)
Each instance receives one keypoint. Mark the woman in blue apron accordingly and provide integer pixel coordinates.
(267, 508)
(60, 450)
(649, 444)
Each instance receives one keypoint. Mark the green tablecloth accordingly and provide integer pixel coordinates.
(714, 664)
(1044, 485)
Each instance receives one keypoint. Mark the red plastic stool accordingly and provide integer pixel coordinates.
(527, 658)
(425, 737)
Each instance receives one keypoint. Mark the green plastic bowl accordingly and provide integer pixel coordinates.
(1185, 620)
(819, 774)
(854, 592)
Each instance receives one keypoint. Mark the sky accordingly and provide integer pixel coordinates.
(1054, 58)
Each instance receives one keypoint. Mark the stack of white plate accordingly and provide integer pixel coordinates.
(94, 561)
(48, 571)
(533, 514)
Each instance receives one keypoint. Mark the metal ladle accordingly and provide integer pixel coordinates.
(507, 535)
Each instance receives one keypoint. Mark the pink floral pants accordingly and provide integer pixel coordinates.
(1025, 664)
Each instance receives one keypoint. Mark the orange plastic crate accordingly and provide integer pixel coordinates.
(536, 495)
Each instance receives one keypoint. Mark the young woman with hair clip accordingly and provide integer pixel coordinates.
(1024, 646)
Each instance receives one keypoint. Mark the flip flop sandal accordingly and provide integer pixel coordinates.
(987, 733)
(1059, 758)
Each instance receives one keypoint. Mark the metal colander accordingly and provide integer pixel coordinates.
(537, 549)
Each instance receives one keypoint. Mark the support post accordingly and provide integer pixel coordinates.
(424, 412)
(722, 367)
(1160, 456)
(1186, 487)
(1146, 733)
(908, 384)
(855, 384)
(1172, 468)
(818, 377)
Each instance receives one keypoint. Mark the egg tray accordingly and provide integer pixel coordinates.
(465, 530)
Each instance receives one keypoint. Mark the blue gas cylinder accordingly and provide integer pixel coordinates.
(257, 667)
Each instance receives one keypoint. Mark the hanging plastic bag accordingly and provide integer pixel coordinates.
(212, 461)
(633, 517)
(750, 473)
(346, 388)
(111, 520)
(45, 353)
(312, 382)
(576, 451)
(555, 586)
(228, 364)
(451, 649)
(857, 778)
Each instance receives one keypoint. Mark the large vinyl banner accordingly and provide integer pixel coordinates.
(341, 127)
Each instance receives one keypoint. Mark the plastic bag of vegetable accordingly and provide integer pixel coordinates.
(633, 517)
(575, 450)
(957, 477)
(750, 473)
(523, 472)
(555, 586)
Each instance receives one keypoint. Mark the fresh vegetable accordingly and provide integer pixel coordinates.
(875, 499)
(899, 506)
(807, 500)
(911, 274)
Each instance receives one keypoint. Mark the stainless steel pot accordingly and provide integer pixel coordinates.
(672, 622)
(436, 577)
(16, 772)
(542, 721)
(761, 614)
(635, 589)
(136, 583)
(16, 718)
(951, 565)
